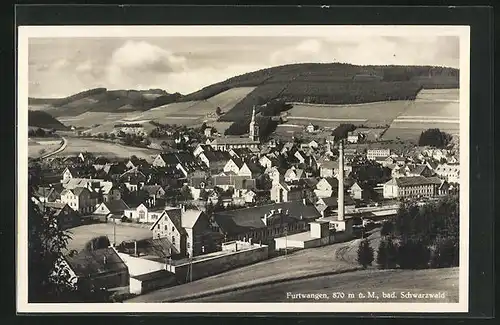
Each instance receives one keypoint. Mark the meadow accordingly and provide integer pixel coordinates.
(436, 108)
(107, 149)
(378, 113)
(82, 234)
(36, 150)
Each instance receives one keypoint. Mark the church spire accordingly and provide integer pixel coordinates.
(254, 129)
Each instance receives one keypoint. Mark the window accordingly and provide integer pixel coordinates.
(166, 228)
(173, 229)
(173, 239)
(188, 245)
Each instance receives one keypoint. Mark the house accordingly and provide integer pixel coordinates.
(66, 216)
(419, 170)
(449, 172)
(188, 231)
(110, 192)
(294, 175)
(331, 169)
(201, 148)
(441, 186)
(249, 169)
(267, 162)
(407, 187)
(233, 165)
(215, 160)
(110, 209)
(250, 196)
(242, 153)
(154, 192)
(79, 199)
(311, 128)
(172, 159)
(135, 162)
(358, 192)
(207, 132)
(326, 187)
(191, 169)
(133, 179)
(313, 144)
(328, 205)
(47, 194)
(143, 213)
(70, 172)
(372, 154)
(282, 192)
(100, 268)
(274, 174)
(353, 137)
(266, 222)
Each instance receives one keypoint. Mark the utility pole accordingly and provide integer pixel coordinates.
(286, 241)
(114, 234)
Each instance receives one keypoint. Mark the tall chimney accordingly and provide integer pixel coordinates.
(341, 182)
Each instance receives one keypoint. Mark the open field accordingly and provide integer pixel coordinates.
(82, 234)
(377, 281)
(191, 109)
(378, 113)
(89, 119)
(107, 149)
(437, 108)
(36, 149)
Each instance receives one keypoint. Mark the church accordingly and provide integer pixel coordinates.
(228, 143)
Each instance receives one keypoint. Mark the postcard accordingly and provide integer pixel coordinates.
(233, 169)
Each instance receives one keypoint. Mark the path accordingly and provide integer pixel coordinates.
(61, 148)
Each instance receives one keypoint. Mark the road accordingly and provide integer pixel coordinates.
(361, 282)
(61, 148)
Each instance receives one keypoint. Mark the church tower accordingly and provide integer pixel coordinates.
(254, 128)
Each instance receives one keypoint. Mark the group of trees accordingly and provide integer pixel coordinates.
(418, 237)
(435, 138)
(422, 236)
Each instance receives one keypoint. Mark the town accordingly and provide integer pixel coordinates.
(221, 202)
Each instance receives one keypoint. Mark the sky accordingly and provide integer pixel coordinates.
(60, 67)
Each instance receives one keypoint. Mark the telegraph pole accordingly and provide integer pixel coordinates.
(114, 233)
(286, 241)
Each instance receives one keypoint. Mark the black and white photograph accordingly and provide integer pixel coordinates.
(243, 168)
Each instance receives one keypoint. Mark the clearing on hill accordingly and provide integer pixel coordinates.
(437, 108)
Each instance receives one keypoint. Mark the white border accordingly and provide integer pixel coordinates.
(345, 32)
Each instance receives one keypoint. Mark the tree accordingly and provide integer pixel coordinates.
(365, 253)
(387, 254)
(446, 253)
(413, 254)
(435, 138)
(218, 111)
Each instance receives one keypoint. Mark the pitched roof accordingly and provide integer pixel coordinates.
(243, 220)
(435, 180)
(330, 164)
(151, 189)
(173, 158)
(216, 155)
(116, 206)
(412, 181)
(332, 181)
(190, 217)
(92, 263)
(45, 191)
(79, 190)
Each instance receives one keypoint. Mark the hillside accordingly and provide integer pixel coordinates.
(332, 83)
(103, 100)
(44, 120)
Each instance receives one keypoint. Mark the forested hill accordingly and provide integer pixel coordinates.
(104, 100)
(44, 120)
(332, 83)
